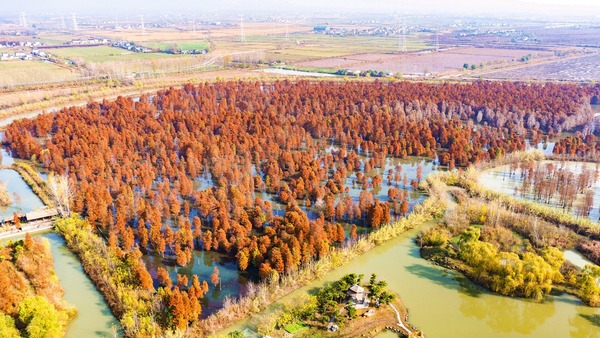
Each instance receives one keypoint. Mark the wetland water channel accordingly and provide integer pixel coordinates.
(94, 317)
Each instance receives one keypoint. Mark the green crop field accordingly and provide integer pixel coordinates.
(295, 327)
(102, 54)
(181, 44)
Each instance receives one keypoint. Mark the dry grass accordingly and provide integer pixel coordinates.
(54, 97)
(18, 72)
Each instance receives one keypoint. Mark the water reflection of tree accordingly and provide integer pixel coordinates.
(505, 314)
(585, 325)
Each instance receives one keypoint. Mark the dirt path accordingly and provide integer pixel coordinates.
(400, 323)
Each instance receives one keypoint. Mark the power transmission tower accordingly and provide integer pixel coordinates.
(143, 27)
(63, 25)
(75, 27)
(402, 40)
(287, 33)
(242, 34)
(23, 20)
(437, 38)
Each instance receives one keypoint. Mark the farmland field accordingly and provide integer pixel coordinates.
(201, 32)
(19, 72)
(182, 44)
(585, 68)
(102, 54)
(419, 63)
(303, 47)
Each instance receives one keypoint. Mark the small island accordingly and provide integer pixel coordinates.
(510, 246)
(344, 308)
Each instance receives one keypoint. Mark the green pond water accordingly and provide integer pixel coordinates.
(94, 317)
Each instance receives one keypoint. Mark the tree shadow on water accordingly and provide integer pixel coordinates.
(594, 319)
(447, 278)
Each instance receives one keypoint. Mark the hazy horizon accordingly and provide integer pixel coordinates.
(589, 8)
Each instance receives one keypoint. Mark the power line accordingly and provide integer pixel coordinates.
(437, 38)
(402, 40)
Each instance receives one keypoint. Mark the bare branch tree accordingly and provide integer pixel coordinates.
(61, 191)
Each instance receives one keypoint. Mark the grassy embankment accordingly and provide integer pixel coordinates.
(115, 276)
(34, 181)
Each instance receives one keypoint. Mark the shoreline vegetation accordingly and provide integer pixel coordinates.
(34, 181)
(508, 245)
(124, 284)
(31, 298)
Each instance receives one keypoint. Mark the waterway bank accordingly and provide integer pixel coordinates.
(94, 318)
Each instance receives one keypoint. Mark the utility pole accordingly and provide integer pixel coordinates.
(402, 42)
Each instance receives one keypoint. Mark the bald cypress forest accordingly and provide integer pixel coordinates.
(135, 165)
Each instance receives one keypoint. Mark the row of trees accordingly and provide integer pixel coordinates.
(557, 184)
(587, 146)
